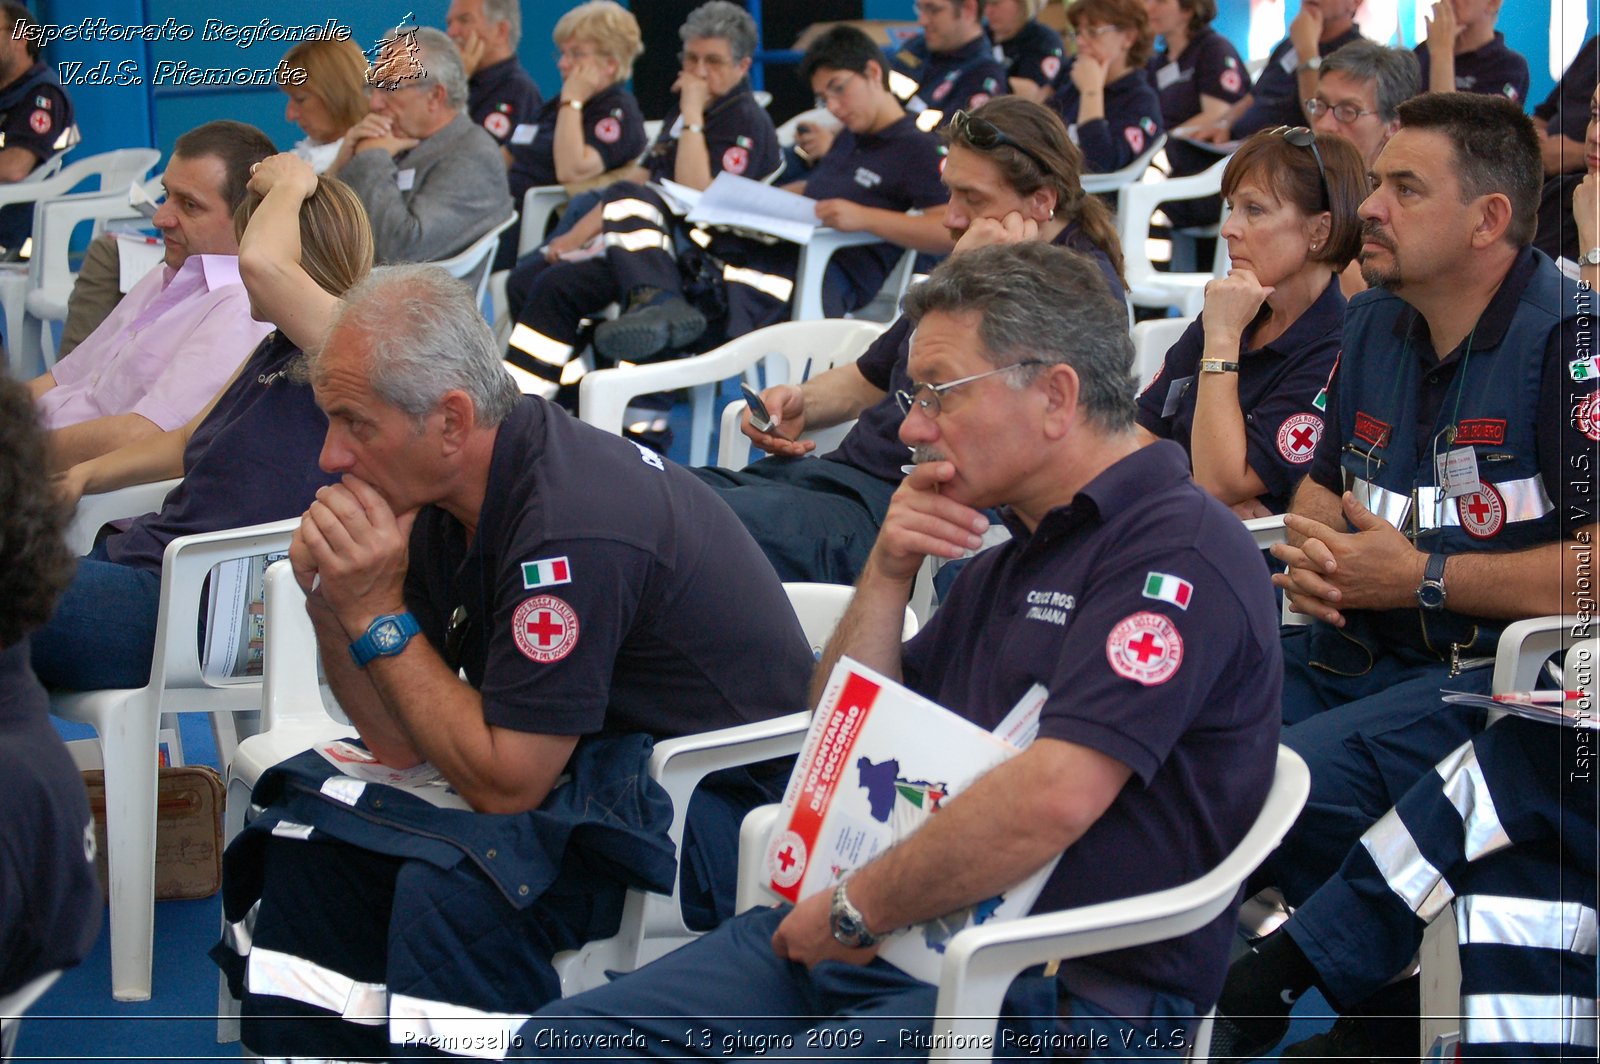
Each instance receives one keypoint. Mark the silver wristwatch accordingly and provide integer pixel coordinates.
(849, 927)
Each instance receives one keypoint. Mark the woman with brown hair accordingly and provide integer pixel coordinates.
(1111, 111)
(1242, 389)
(326, 83)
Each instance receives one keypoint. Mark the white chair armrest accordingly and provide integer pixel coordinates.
(815, 255)
(538, 204)
(95, 511)
(1523, 648)
(754, 834)
(1266, 530)
(184, 567)
(733, 446)
(604, 394)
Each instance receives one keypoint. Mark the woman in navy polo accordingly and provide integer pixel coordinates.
(1106, 100)
(1031, 51)
(1242, 389)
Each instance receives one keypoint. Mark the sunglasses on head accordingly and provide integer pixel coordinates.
(1301, 137)
(986, 136)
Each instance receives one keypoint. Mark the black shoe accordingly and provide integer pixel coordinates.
(1230, 1041)
(664, 322)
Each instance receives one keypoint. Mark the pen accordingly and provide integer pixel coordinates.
(805, 372)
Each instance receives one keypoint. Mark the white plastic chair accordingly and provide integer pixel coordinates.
(816, 253)
(1116, 180)
(115, 171)
(981, 961)
(1136, 202)
(127, 721)
(603, 395)
(50, 273)
(538, 204)
(472, 264)
(294, 718)
(1151, 341)
(96, 511)
(15, 1004)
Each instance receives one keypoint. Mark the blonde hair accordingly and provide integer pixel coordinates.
(335, 237)
(610, 27)
(335, 73)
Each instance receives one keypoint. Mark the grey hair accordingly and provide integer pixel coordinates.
(1395, 71)
(1038, 301)
(719, 18)
(508, 11)
(441, 65)
(426, 336)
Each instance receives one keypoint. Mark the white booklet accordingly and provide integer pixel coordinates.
(738, 201)
(236, 620)
(878, 762)
(359, 768)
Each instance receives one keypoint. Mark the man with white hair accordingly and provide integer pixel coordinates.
(500, 94)
(432, 181)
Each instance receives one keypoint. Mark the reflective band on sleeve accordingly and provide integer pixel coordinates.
(700, 236)
(288, 829)
(772, 284)
(1533, 1019)
(622, 209)
(532, 384)
(344, 789)
(902, 86)
(453, 1028)
(1408, 873)
(640, 240)
(287, 976)
(550, 352)
(1389, 505)
(237, 935)
(928, 120)
(1467, 790)
(1488, 919)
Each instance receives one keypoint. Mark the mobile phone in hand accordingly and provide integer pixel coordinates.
(760, 417)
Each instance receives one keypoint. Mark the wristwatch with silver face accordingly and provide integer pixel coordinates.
(1590, 257)
(1430, 593)
(848, 925)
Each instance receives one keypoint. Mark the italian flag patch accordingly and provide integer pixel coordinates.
(1168, 588)
(547, 572)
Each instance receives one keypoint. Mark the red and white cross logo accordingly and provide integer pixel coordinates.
(1483, 513)
(1298, 436)
(1145, 648)
(545, 628)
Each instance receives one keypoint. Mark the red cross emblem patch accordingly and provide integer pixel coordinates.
(497, 124)
(735, 159)
(786, 860)
(1229, 80)
(39, 121)
(1050, 66)
(1135, 137)
(545, 628)
(608, 130)
(1483, 513)
(1586, 415)
(1145, 648)
(1298, 436)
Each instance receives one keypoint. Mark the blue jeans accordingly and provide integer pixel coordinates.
(103, 633)
(727, 994)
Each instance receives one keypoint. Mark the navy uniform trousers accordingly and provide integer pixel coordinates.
(1504, 830)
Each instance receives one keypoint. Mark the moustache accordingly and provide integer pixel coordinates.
(1372, 232)
(921, 454)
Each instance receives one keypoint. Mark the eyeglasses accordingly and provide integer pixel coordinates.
(712, 62)
(986, 136)
(1301, 137)
(925, 397)
(836, 91)
(931, 8)
(573, 55)
(1098, 31)
(1345, 113)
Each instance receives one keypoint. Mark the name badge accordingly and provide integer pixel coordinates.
(1167, 75)
(1290, 60)
(405, 179)
(1457, 471)
(524, 133)
(1175, 393)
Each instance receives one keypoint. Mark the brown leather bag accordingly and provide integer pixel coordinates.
(188, 831)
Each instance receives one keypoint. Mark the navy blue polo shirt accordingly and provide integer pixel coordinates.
(643, 606)
(895, 169)
(50, 900)
(873, 443)
(501, 97)
(1493, 70)
(1566, 109)
(1569, 420)
(253, 459)
(1143, 608)
(1034, 54)
(739, 136)
(34, 114)
(1131, 122)
(1280, 384)
(613, 125)
(1208, 66)
(950, 81)
(1277, 93)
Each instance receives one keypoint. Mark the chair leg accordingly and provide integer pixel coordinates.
(234, 815)
(129, 741)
